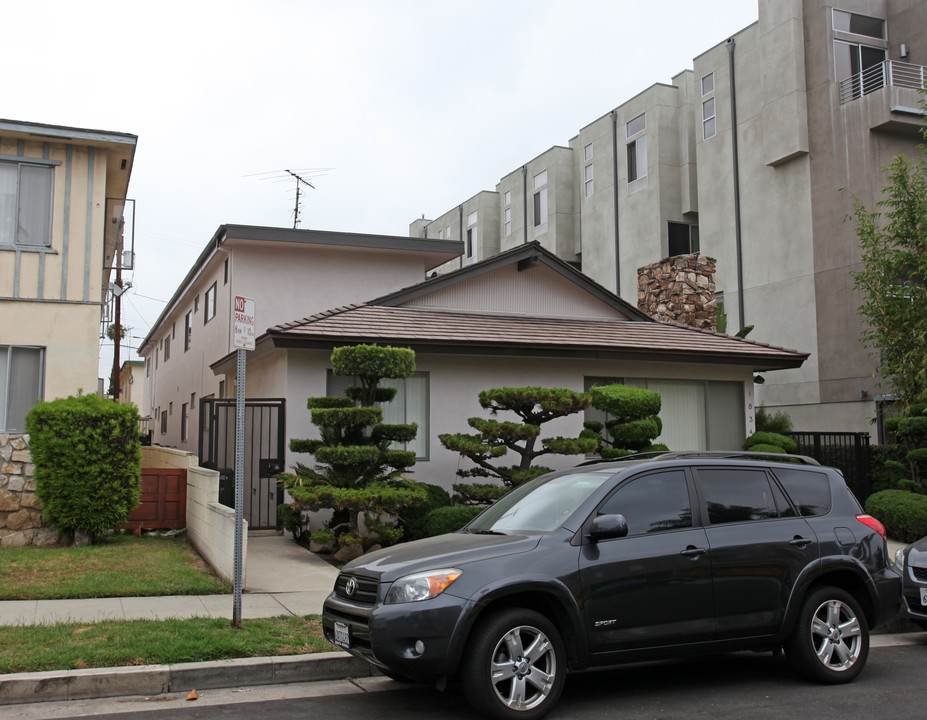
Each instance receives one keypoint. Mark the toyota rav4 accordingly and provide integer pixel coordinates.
(638, 559)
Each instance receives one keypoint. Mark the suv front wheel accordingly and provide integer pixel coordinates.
(831, 641)
(515, 665)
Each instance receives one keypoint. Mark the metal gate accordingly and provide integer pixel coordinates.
(265, 431)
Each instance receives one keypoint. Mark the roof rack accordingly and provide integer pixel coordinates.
(718, 454)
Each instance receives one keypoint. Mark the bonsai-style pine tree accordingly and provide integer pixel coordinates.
(356, 469)
(632, 423)
(493, 439)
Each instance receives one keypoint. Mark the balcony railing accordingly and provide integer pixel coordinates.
(885, 74)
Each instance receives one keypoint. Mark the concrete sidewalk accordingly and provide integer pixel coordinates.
(282, 579)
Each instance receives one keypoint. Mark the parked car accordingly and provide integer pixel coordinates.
(911, 562)
(644, 558)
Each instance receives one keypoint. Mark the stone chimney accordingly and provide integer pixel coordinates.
(679, 289)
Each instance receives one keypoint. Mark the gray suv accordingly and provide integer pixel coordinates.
(638, 559)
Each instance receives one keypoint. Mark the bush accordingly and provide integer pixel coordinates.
(779, 422)
(413, 519)
(887, 466)
(904, 514)
(768, 438)
(88, 462)
(450, 519)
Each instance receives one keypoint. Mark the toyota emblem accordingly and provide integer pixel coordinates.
(350, 587)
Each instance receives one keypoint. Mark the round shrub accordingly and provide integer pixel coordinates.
(413, 519)
(450, 519)
(768, 438)
(88, 462)
(904, 514)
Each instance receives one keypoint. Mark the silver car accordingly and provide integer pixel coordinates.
(911, 562)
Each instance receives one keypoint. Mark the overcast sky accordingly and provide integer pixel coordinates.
(414, 105)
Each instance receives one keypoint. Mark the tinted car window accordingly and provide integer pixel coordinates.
(736, 495)
(809, 490)
(652, 503)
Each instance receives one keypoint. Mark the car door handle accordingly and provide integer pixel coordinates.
(694, 552)
(799, 541)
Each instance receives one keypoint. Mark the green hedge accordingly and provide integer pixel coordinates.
(886, 477)
(451, 518)
(904, 514)
(769, 438)
(88, 462)
(414, 519)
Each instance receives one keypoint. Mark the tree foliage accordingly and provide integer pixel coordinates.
(494, 439)
(893, 281)
(632, 420)
(88, 462)
(357, 469)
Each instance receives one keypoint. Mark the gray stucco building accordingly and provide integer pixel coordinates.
(751, 157)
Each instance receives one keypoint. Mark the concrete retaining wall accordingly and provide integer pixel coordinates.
(210, 525)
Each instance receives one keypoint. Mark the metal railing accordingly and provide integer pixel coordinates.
(887, 73)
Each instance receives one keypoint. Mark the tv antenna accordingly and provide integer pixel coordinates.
(300, 177)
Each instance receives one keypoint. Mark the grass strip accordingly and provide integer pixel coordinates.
(65, 646)
(118, 566)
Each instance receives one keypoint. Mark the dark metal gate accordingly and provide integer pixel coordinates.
(265, 431)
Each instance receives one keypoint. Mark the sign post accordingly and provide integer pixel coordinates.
(243, 335)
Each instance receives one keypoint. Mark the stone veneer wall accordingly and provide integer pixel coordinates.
(679, 289)
(20, 510)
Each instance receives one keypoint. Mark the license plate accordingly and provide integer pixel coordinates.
(342, 635)
(923, 596)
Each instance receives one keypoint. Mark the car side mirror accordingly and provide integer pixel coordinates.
(606, 527)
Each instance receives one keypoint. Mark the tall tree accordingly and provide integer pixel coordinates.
(893, 281)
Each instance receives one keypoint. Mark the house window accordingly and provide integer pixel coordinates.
(507, 198)
(409, 406)
(25, 204)
(447, 233)
(853, 61)
(587, 153)
(857, 24)
(637, 154)
(164, 423)
(225, 272)
(699, 414)
(472, 235)
(183, 423)
(187, 330)
(222, 388)
(22, 370)
(441, 234)
(192, 401)
(507, 215)
(209, 300)
(588, 184)
(708, 84)
(708, 118)
(196, 304)
(682, 239)
(147, 367)
(167, 348)
(540, 203)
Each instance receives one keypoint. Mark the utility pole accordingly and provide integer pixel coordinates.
(117, 324)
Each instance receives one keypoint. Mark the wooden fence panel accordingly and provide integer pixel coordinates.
(163, 501)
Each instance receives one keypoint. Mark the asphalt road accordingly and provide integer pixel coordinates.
(756, 686)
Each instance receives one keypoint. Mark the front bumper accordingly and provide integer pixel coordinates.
(414, 640)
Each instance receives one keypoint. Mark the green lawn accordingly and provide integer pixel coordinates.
(119, 566)
(31, 648)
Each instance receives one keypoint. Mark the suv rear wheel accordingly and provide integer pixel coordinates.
(831, 641)
(515, 665)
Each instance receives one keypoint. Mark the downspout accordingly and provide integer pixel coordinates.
(524, 192)
(737, 228)
(462, 237)
(614, 115)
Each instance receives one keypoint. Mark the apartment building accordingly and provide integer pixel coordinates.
(751, 157)
(62, 196)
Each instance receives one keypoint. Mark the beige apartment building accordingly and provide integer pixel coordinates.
(62, 199)
(751, 157)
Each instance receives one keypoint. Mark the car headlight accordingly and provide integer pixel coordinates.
(421, 586)
(899, 560)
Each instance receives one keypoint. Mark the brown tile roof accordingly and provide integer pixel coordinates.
(449, 331)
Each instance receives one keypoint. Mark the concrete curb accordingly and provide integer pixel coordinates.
(57, 685)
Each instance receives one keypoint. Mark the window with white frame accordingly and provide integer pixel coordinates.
(472, 235)
(187, 330)
(183, 422)
(708, 84)
(447, 233)
(209, 301)
(857, 24)
(163, 423)
(588, 183)
(507, 213)
(167, 348)
(441, 234)
(26, 203)
(22, 373)
(410, 405)
(637, 152)
(587, 153)
(709, 124)
(540, 203)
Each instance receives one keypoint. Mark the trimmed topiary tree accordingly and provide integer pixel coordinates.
(769, 442)
(88, 463)
(357, 470)
(911, 430)
(633, 420)
(534, 406)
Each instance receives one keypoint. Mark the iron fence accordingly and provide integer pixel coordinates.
(847, 451)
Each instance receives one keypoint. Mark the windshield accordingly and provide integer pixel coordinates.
(542, 504)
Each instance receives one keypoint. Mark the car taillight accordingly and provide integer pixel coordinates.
(870, 521)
